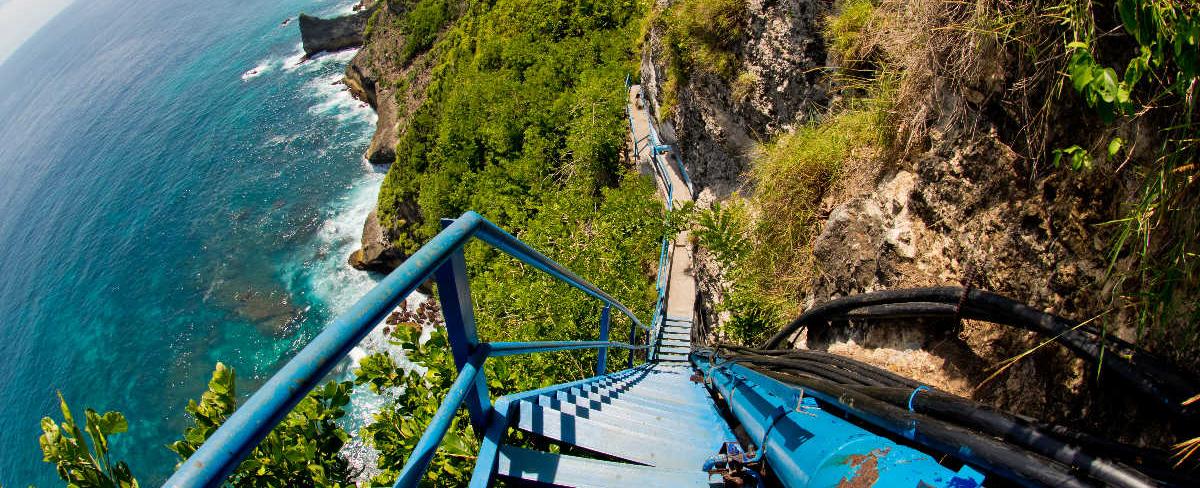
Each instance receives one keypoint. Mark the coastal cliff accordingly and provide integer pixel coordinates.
(392, 77)
(317, 34)
(717, 109)
(851, 151)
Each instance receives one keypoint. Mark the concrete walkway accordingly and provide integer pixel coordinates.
(681, 285)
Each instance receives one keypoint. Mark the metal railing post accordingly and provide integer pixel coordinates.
(454, 292)
(632, 341)
(602, 361)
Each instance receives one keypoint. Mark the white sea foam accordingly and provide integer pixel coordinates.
(255, 72)
(295, 60)
(300, 63)
(338, 285)
(334, 99)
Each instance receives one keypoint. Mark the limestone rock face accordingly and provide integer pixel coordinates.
(377, 253)
(716, 123)
(363, 81)
(395, 86)
(319, 34)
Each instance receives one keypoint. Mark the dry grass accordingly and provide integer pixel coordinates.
(793, 175)
(953, 53)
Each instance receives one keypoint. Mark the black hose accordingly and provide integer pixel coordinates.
(877, 376)
(1149, 375)
(1023, 432)
(970, 414)
(1018, 465)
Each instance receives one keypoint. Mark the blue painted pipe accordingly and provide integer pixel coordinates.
(806, 446)
(602, 360)
(226, 448)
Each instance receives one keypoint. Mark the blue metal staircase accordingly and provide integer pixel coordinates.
(653, 415)
(663, 423)
(655, 424)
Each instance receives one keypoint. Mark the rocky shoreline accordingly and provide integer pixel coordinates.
(363, 78)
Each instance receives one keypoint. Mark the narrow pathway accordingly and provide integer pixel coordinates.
(681, 284)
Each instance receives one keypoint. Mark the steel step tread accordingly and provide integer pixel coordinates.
(681, 403)
(620, 413)
(562, 470)
(656, 447)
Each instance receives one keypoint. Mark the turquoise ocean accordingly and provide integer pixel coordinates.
(176, 189)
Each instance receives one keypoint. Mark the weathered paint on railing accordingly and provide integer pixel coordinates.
(805, 445)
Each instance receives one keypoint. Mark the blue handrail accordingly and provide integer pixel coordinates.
(442, 258)
(657, 148)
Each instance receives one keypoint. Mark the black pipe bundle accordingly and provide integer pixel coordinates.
(1148, 374)
(1018, 449)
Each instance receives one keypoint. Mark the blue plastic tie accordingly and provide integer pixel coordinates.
(913, 395)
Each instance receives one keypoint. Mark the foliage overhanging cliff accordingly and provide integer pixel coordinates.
(1042, 149)
(515, 109)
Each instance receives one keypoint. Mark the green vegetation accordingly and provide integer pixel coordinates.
(703, 34)
(301, 451)
(1159, 227)
(369, 30)
(78, 464)
(699, 36)
(522, 121)
(1133, 64)
(421, 25)
(397, 427)
(768, 261)
(844, 31)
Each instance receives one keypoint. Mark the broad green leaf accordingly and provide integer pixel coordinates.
(1114, 146)
(1080, 70)
(1106, 84)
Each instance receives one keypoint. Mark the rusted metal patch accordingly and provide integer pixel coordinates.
(866, 469)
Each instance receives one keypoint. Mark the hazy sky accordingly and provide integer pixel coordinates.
(20, 19)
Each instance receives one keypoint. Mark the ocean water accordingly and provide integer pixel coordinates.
(175, 190)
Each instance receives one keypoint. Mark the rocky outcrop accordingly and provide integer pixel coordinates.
(395, 89)
(964, 212)
(362, 80)
(718, 122)
(377, 253)
(319, 34)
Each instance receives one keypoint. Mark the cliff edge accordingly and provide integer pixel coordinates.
(317, 34)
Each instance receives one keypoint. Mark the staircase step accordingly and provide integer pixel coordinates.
(626, 413)
(671, 318)
(648, 407)
(679, 358)
(560, 470)
(674, 349)
(656, 447)
(630, 381)
(676, 343)
(645, 398)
